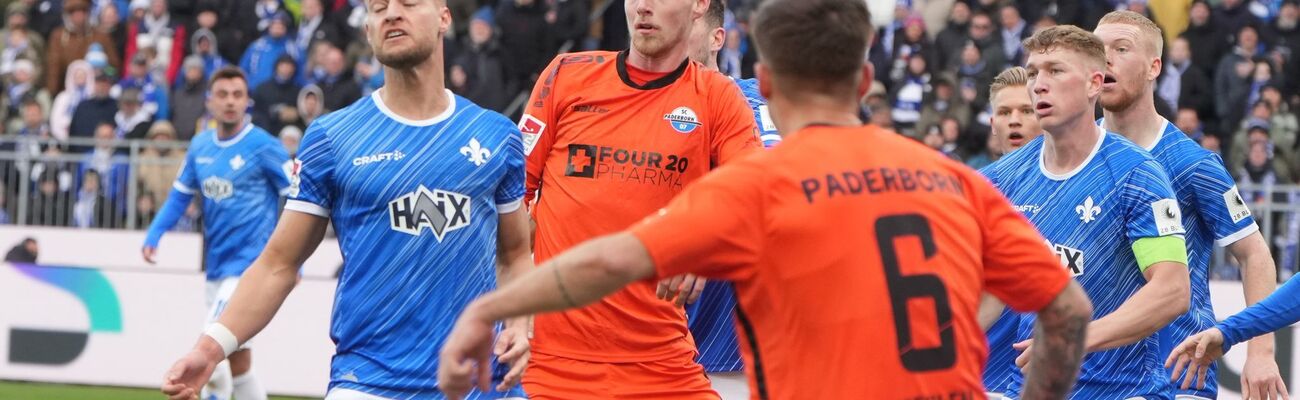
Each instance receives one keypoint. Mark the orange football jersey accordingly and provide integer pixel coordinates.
(605, 150)
(858, 258)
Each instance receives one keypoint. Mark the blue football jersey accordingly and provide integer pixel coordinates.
(999, 368)
(1091, 217)
(709, 318)
(1214, 214)
(415, 205)
(240, 180)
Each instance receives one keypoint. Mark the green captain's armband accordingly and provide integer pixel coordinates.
(1151, 250)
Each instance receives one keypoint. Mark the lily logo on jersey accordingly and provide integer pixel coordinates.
(476, 153)
(439, 210)
(1088, 211)
(217, 189)
(682, 119)
(237, 162)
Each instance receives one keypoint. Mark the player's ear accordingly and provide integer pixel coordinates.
(868, 75)
(1156, 66)
(699, 7)
(764, 78)
(445, 16)
(1095, 80)
(719, 38)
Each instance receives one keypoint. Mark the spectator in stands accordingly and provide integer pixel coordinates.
(167, 34)
(291, 137)
(525, 38)
(109, 22)
(71, 41)
(266, 11)
(146, 207)
(208, 17)
(952, 39)
(79, 86)
(22, 84)
(188, 99)
(1261, 167)
(159, 161)
(44, 15)
(92, 209)
(943, 102)
(910, 42)
(1183, 83)
(974, 75)
(1284, 125)
(1211, 41)
(1014, 29)
(17, 41)
(1190, 123)
(1213, 144)
(49, 205)
(369, 73)
(152, 93)
(275, 101)
(110, 161)
(1233, 78)
(90, 113)
(478, 73)
(881, 115)
(316, 27)
(24, 252)
(338, 86)
(567, 22)
(989, 44)
(933, 138)
(32, 124)
(132, 119)
(309, 104)
(205, 47)
(1232, 15)
(909, 92)
(259, 61)
(1285, 31)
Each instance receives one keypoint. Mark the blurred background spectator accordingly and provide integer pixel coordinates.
(25, 252)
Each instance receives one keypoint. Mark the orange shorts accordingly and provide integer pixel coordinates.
(556, 378)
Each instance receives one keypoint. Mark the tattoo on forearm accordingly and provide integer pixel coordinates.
(1058, 350)
(560, 282)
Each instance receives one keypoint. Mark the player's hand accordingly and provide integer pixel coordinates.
(512, 349)
(1026, 347)
(465, 357)
(148, 253)
(1260, 379)
(1195, 355)
(188, 375)
(682, 289)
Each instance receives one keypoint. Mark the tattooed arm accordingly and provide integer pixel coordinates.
(1059, 340)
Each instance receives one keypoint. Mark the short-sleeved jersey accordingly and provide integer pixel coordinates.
(1091, 217)
(865, 251)
(415, 205)
(241, 181)
(604, 152)
(710, 317)
(1213, 214)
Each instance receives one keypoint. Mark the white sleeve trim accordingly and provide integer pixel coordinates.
(506, 208)
(286, 190)
(180, 187)
(305, 207)
(1233, 238)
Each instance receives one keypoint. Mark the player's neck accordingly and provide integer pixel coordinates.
(228, 131)
(1140, 123)
(791, 115)
(416, 93)
(1068, 146)
(666, 62)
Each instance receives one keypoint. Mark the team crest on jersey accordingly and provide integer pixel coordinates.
(476, 152)
(1235, 204)
(217, 189)
(237, 162)
(1088, 211)
(683, 120)
(439, 210)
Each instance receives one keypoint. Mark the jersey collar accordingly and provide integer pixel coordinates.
(1042, 161)
(248, 127)
(621, 64)
(446, 112)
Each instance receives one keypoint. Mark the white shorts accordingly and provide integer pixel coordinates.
(218, 294)
(730, 385)
(349, 394)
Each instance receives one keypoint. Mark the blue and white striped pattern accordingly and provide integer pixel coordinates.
(1093, 215)
(399, 293)
(244, 179)
(766, 128)
(1000, 368)
(1206, 193)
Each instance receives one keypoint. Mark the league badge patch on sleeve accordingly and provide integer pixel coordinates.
(532, 129)
(765, 118)
(293, 169)
(1169, 219)
(1235, 204)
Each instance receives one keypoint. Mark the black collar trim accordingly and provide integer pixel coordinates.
(621, 65)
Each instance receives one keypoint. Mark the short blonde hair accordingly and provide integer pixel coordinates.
(1014, 76)
(1068, 37)
(1153, 36)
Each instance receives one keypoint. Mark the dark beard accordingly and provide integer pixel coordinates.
(406, 59)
